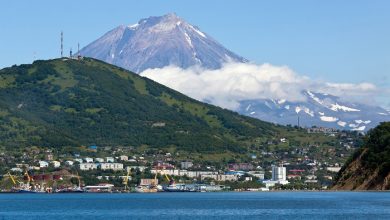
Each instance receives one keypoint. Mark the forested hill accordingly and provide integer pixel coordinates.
(67, 102)
(369, 167)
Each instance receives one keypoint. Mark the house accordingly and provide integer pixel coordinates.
(88, 166)
(56, 164)
(88, 160)
(110, 159)
(124, 158)
(43, 164)
(111, 166)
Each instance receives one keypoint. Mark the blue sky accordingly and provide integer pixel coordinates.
(337, 41)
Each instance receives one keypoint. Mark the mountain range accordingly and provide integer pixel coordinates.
(157, 42)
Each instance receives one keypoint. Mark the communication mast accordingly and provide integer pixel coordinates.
(62, 44)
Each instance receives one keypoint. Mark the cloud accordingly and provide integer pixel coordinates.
(235, 82)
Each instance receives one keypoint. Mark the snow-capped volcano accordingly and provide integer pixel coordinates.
(156, 42)
(319, 110)
(167, 41)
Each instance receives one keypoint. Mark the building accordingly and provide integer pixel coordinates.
(124, 158)
(257, 174)
(279, 176)
(78, 160)
(140, 168)
(221, 177)
(43, 164)
(56, 164)
(148, 182)
(88, 166)
(110, 159)
(49, 157)
(88, 160)
(99, 160)
(240, 166)
(111, 166)
(186, 164)
(279, 173)
(333, 169)
(69, 163)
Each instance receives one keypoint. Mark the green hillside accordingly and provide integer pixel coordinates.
(66, 102)
(369, 167)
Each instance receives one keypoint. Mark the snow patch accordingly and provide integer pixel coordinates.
(336, 107)
(305, 109)
(281, 101)
(342, 123)
(315, 98)
(198, 31)
(287, 107)
(112, 56)
(248, 107)
(252, 113)
(298, 109)
(362, 122)
(134, 26)
(188, 39)
(321, 113)
(328, 119)
(362, 128)
(381, 113)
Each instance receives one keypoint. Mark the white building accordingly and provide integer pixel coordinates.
(190, 174)
(88, 160)
(186, 164)
(78, 160)
(111, 166)
(43, 164)
(69, 163)
(56, 164)
(279, 175)
(258, 174)
(88, 166)
(99, 160)
(220, 177)
(333, 169)
(110, 159)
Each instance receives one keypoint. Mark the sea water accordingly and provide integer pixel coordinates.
(229, 205)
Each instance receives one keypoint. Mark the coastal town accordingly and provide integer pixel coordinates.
(128, 169)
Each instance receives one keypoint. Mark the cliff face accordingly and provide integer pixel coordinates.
(369, 167)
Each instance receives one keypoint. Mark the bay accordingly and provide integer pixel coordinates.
(226, 205)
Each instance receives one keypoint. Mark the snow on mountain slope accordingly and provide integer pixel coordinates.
(156, 42)
(319, 110)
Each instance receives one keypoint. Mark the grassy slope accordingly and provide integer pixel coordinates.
(70, 103)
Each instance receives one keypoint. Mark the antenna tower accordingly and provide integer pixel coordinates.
(62, 44)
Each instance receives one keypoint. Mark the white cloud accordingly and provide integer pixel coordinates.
(235, 82)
